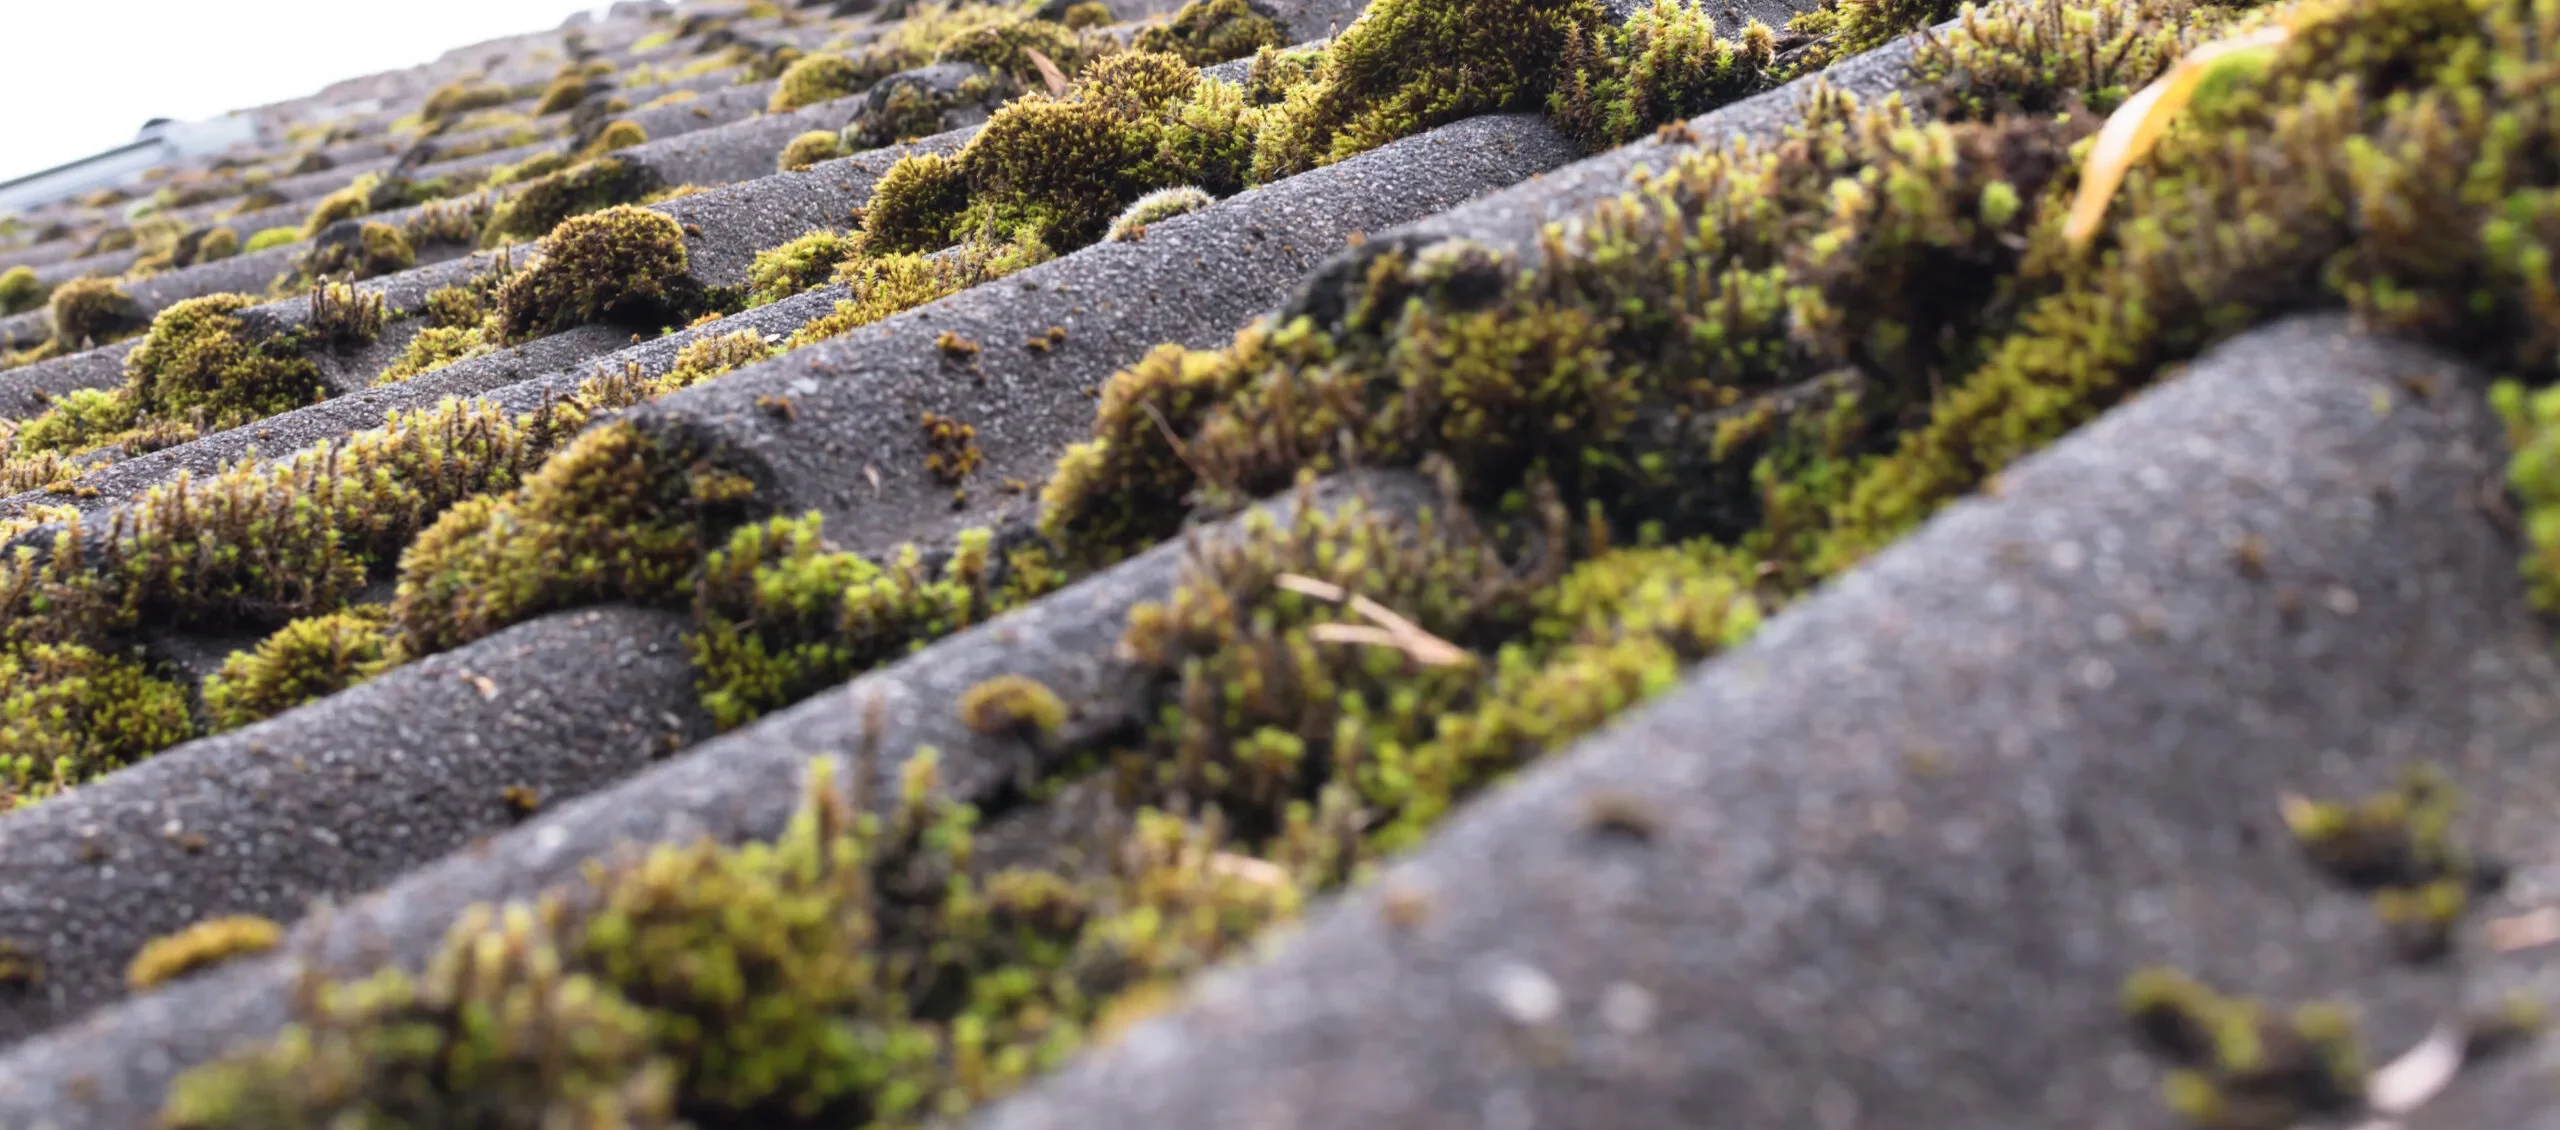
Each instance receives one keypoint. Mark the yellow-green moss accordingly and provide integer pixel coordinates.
(69, 712)
(371, 251)
(618, 134)
(1666, 63)
(20, 292)
(435, 347)
(1085, 14)
(543, 203)
(202, 359)
(619, 515)
(809, 149)
(625, 263)
(310, 658)
(2239, 1068)
(813, 79)
(86, 311)
(1213, 31)
(453, 100)
(802, 264)
(916, 205)
(563, 95)
(273, 237)
(1012, 704)
(883, 285)
(203, 945)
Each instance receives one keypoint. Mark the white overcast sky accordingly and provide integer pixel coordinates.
(78, 76)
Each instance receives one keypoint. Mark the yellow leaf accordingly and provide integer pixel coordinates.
(2136, 126)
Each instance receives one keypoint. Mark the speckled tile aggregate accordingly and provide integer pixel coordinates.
(1905, 845)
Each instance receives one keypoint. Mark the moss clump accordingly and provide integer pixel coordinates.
(2238, 1067)
(308, 659)
(435, 347)
(20, 292)
(273, 237)
(89, 311)
(69, 713)
(883, 285)
(712, 356)
(951, 448)
(916, 206)
(802, 264)
(1408, 65)
(563, 95)
(544, 202)
(203, 945)
(622, 264)
(203, 360)
(621, 514)
(2533, 473)
(816, 78)
(1156, 207)
(1666, 63)
(2399, 844)
(619, 134)
(448, 103)
(213, 245)
(368, 251)
(1061, 169)
(1013, 704)
(808, 149)
(1213, 31)
(1006, 48)
(1087, 13)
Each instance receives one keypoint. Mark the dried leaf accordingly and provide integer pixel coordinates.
(1325, 591)
(2420, 1074)
(2530, 930)
(1049, 73)
(2136, 126)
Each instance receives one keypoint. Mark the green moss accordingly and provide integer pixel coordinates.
(1213, 31)
(310, 658)
(619, 134)
(563, 95)
(916, 206)
(1156, 207)
(371, 251)
(2533, 473)
(1005, 48)
(273, 237)
(69, 713)
(203, 360)
(20, 292)
(365, 196)
(2239, 1068)
(622, 264)
(455, 307)
(203, 945)
(1666, 63)
(1408, 65)
(79, 420)
(1276, 72)
(621, 514)
(448, 103)
(532, 168)
(808, 149)
(883, 285)
(435, 347)
(1013, 704)
(951, 448)
(802, 264)
(89, 311)
(1085, 14)
(813, 79)
(543, 203)
(215, 244)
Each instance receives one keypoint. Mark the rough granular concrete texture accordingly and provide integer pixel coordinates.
(109, 1070)
(1891, 861)
(1194, 280)
(339, 797)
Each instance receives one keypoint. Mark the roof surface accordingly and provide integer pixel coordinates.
(1508, 564)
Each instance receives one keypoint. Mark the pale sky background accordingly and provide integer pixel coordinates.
(78, 76)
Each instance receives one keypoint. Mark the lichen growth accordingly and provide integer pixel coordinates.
(201, 946)
(310, 658)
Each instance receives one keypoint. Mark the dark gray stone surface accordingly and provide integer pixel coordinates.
(1906, 844)
(335, 798)
(109, 1070)
(1194, 280)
